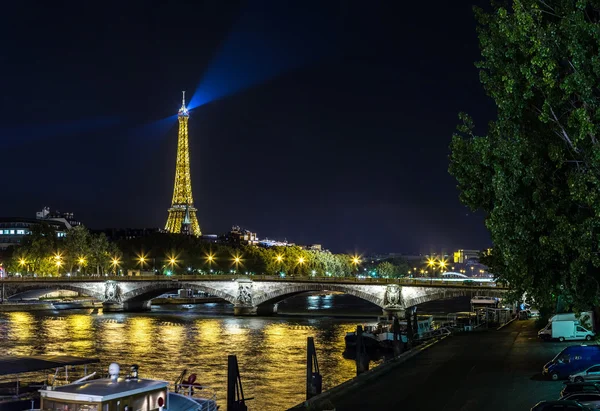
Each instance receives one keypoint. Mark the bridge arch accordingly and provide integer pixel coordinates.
(153, 290)
(38, 290)
(279, 294)
(433, 294)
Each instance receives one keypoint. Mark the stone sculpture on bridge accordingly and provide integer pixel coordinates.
(112, 292)
(392, 300)
(244, 304)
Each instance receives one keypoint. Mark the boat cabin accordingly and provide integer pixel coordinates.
(107, 394)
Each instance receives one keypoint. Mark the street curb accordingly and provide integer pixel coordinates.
(504, 325)
(360, 380)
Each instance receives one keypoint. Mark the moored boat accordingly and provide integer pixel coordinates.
(129, 393)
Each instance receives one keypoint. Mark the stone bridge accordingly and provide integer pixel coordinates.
(249, 296)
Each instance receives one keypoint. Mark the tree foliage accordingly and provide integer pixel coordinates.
(536, 173)
(387, 270)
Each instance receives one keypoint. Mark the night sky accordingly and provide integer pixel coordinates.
(317, 122)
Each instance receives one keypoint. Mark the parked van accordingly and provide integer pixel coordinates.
(571, 360)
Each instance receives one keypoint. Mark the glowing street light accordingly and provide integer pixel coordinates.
(301, 260)
(210, 258)
(115, 264)
(279, 259)
(142, 258)
(22, 262)
(237, 260)
(443, 265)
(431, 262)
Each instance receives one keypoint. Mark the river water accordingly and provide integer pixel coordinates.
(271, 351)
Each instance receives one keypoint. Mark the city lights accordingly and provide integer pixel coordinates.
(142, 258)
(210, 258)
(115, 262)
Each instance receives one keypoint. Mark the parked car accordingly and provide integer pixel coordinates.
(572, 387)
(571, 360)
(590, 374)
(589, 399)
(561, 405)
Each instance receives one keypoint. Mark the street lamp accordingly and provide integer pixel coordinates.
(442, 265)
(142, 259)
(356, 262)
(22, 263)
(237, 260)
(279, 259)
(115, 263)
(173, 262)
(81, 261)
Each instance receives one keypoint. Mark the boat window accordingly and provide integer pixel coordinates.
(65, 406)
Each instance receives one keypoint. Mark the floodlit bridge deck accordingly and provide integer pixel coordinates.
(249, 294)
(405, 282)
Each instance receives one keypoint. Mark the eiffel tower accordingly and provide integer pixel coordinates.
(182, 214)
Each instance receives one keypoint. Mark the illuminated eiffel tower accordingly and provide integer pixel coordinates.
(182, 214)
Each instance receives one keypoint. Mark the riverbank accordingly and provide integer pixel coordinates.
(496, 370)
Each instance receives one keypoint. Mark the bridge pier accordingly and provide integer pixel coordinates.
(393, 312)
(127, 306)
(262, 310)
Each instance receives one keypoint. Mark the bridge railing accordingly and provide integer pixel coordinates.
(229, 277)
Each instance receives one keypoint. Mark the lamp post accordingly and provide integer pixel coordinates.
(81, 262)
(356, 263)
(237, 260)
(210, 258)
(115, 264)
(58, 262)
(23, 263)
(301, 261)
(279, 259)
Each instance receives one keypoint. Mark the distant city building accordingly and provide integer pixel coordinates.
(463, 256)
(67, 218)
(116, 234)
(13, 229)
(239, 235)
(388, 256)
(265, 242)
(209, 238)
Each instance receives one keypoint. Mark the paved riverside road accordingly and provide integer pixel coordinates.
(493, 370)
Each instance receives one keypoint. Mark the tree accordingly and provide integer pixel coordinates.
(536, 174)
(100, 253)
(38, 249)
(387, 270)
(77, 248)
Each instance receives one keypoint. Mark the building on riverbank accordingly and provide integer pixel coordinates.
(13, 229)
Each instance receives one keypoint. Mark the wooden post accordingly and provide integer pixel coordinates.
(314, 380)
(362, 360)
(397, 336)
(235, 392)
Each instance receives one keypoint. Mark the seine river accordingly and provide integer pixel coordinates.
(271, 351)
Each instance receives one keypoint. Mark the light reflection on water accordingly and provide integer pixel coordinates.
(271, 350)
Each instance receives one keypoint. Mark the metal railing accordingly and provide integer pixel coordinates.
(431, 282)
